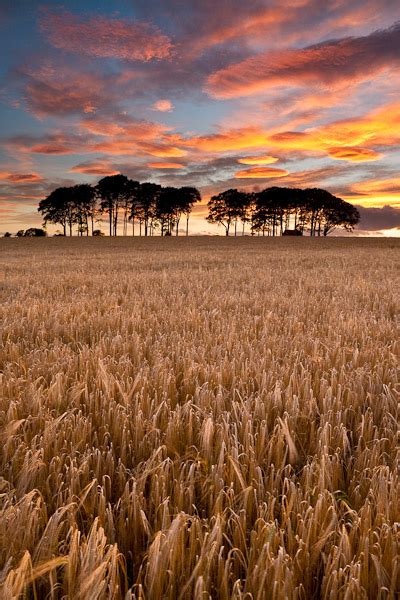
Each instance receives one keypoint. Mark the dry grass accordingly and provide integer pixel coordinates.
(199, 418)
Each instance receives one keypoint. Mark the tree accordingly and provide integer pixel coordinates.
(227, 207)
(339, 214)
(35, 232)
(131, 203)
(166, 209)
(20, 233)
(7, 234)
(59, 208)
(112, 191)
(187, 197)
(272, 205)
(84, 198)
(324, 212)
(147, 194)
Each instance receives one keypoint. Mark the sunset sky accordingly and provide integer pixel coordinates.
(210, 93)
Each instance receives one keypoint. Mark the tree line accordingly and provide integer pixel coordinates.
(282, 211)
(124, 201)
(127, 203)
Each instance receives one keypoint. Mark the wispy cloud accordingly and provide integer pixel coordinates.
(326, 64)
(103, 37)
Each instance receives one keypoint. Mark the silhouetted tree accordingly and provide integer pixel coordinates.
(147, 194)
(84, 198)
(227, 207)
(338, 213)
(59, 208)
(112, 191)
(131, 203)
(187, 198)
(166, 209)
(20, 233)
(7, 234)
(35, 232)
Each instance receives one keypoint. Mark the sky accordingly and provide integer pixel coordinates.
(210, 93)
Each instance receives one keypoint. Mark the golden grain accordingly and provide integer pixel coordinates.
(199, 418)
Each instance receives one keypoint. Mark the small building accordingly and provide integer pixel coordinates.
(295, 232)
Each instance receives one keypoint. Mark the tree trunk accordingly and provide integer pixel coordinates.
(111, 219)
(187, 225)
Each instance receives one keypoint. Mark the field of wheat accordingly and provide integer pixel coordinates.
(199, 418)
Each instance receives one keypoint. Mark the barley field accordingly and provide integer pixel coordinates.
(201, 418)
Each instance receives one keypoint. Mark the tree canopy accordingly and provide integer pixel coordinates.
(271, 211)
(148, 204)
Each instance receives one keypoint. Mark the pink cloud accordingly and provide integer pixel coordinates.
(59, 91)
(95, 168)
(330, 63)
(103, 37)
(261, 173)
(258, 160)
(165, 165)
(20, 178)
(163, 105)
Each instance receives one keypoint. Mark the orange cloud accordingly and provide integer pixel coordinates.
(163, 151)
(326, 64)
(165, 165)
(95, 168)
(128, 136)
(163, 105)
(101, 37)
(383, 186)
(261, 173)
(349, 139)
(245, 25)
(258, 160)
(353, 154)
(50, 149)
(232, 139)
(20, 178)
(52, 90)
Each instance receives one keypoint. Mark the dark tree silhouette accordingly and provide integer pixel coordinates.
(274, 208)
(187, 198)
(338, 213)
(166, 209)
(35, 232)
(131, 203)
(84, 197)
(112, 192)
(59, 208)
(227, 207)
(147, 194)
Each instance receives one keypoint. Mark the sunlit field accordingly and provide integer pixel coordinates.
(201, 418)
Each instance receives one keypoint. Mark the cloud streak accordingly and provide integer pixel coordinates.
(102, 37)
(261, 173)
(327, 64)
